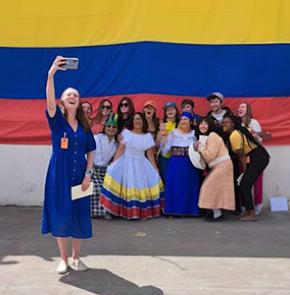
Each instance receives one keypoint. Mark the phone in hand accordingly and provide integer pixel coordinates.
(72, 63)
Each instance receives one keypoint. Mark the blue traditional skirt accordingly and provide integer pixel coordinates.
(182, 185)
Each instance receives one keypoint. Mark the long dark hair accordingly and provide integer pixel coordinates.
(131, 122)
(155, 120)
(131, 107)
(211, 126)
(177, 116)
(244, 131)
(99, 116)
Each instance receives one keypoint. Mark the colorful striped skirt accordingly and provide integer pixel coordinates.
(132, 189)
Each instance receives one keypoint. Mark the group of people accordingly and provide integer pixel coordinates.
(140, 164)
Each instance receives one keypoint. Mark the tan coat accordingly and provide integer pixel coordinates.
(217, 190)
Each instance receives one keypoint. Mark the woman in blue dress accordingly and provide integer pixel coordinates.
(71, 164)
(182, 178)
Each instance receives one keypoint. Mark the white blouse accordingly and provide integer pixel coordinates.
(256, 127)
(179, 139)
(105, 149)
(136, 144)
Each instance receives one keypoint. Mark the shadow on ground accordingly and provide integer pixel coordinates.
(269, 237)
(103, 282)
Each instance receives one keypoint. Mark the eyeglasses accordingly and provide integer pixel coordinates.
(124, 104)
(227, 122)
(111, 126)
(106, 107)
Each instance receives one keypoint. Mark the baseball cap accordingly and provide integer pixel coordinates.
(216, 95)
(150, 103)
(169, 104)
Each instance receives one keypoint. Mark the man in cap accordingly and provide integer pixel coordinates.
(217, 109)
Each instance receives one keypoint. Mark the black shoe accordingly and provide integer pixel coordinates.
(220, 218)
(212, 219)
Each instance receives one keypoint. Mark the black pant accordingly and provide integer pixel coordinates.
(237, 173)
(259, 159)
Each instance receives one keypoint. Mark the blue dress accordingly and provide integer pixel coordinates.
(61, 216)
(182, 181)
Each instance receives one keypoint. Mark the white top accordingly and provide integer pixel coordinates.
(177, 138)
(136, 144)
(256, 127)
(219, 116)
(105, 149)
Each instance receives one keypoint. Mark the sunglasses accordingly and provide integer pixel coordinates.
(125, 104)
(106, 107)
(111, 126)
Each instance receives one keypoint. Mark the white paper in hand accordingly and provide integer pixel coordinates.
(77, 193)
(239, 179)
(203, 139)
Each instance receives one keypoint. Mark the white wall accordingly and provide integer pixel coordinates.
(23, 170)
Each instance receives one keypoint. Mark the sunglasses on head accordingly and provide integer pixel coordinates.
(124, 104)
(106, 107)
(111, 126)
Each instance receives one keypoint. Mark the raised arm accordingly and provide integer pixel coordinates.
(166, 143)
(50, 92)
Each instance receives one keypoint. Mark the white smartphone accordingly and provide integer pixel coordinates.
(72, 63)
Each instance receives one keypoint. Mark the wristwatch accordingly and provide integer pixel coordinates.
(89, 173)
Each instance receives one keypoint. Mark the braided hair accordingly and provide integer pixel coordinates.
(243, 130)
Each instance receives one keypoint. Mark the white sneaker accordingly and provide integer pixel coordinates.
(258, 209)
(78, 265)
(62, 267)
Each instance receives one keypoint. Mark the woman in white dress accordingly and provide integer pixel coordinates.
(132, 186)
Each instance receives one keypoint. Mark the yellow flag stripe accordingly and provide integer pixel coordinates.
(34, 23)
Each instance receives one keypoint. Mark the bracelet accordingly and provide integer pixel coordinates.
(89, 173)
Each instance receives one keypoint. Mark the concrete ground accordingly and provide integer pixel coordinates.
(162, 256)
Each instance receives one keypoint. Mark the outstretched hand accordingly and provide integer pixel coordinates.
(57, 65)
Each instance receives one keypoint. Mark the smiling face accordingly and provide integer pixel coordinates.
(184, 123)
(171, 112)
(149, 111)
(215, 105)
(70, 99)
(106, 108)
(203, 127)
(242, 110)
(228, 125)
(137, 122)
(124, 107)
(87, 109)
(111, 130)
(187, 108)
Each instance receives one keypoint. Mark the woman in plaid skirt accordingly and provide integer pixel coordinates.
(106, 148)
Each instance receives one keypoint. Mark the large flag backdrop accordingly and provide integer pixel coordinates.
(150, 49)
